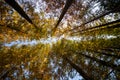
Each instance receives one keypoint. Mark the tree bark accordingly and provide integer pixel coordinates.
(112, 49)
(98, 27)
(104, 53)
(17, 7)
(106, 77)
(113, 66)
(67, 5)
(4, 74)
(116, 9)
(78, 69)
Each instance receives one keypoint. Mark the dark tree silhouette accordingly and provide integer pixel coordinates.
(17, 7)
(104, 63)
(109, 4)
(117, 25)
(4, 74)
(104, 53)
(78, 69)
(67, 5)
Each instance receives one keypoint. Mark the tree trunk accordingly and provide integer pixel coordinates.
(96, 27)
(112, 49)
(113, 66)
(78, 69)
(16, 6)
(67, 5)
(116, 9)
(5, 73)
(105, 53)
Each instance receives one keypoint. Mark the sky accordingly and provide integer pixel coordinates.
(51, 40)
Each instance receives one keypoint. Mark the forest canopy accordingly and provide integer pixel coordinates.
(59, 40)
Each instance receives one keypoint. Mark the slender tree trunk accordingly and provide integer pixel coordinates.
(113, 66)
(105, 53)
(67, 5)
(93, 29)
(106, 77)
(112, 49)
(115, 10)
(5, 73)
(98, 27)
(78, 69)
(17, 7)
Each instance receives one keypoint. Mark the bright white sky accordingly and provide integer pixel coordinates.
(51, 40)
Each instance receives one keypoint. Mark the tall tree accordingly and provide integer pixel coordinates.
(78, 69)
(17, 7)
(67, 5)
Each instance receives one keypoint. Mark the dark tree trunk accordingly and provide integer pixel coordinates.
(113, 66)
(112, 49)
(106, 77)
(112, 11)
(96, 28)
(78, 69)
(17, 7)
(107, 24)
(4, 74)
(67, 5)
(104, 53)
